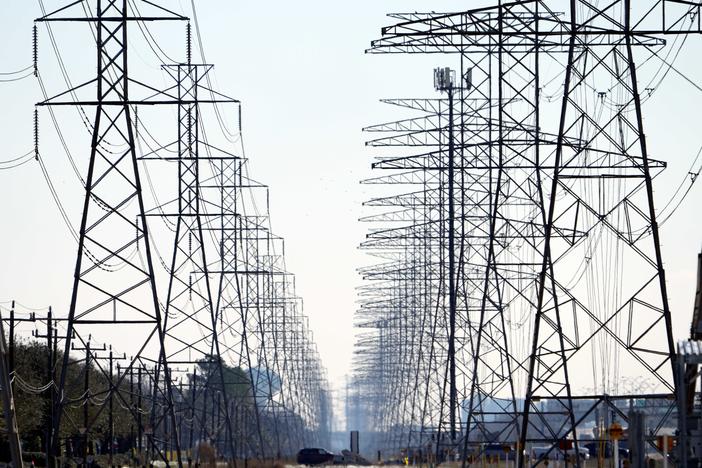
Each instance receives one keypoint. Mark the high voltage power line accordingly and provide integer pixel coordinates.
(228, 316)
(521, 246)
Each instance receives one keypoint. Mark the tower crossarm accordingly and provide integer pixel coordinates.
(516, 25)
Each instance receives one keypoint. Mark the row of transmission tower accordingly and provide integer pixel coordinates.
(518, 276)
(184, 332)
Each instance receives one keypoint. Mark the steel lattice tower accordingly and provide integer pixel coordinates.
(558, 217)
(112, 294)
(189, 302)
(260, 321)
(228, 357)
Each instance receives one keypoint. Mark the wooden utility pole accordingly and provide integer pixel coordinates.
(9, 403)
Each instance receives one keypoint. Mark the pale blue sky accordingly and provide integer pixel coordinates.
(307, 90)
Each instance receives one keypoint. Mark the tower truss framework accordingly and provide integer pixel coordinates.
(221, 351)
(559, 278)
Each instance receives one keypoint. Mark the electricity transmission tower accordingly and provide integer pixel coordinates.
(220, 351)
(556, 214)
(190, 324)
(113, 293)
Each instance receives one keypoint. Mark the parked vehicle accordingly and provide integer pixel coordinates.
(492, 451)
(583, 452)
(547, 453)
(607, 449)
(314, 456)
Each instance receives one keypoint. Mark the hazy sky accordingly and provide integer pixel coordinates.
(307, 89)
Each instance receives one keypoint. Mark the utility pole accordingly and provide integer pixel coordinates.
(14, 320)
(140, 426)
(51, 343)
(193, 396)
(9, 403)
(11, 363)
(111, 422)
(51, 337)
(86, 404)
(111, 361)
(90, 356)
